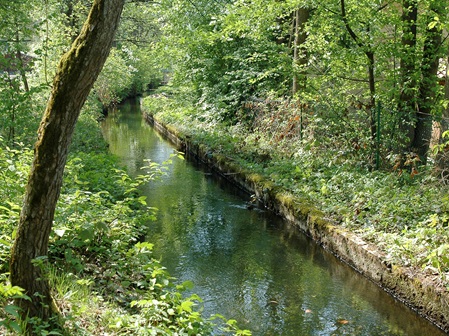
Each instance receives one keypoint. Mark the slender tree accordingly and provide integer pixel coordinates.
(75, 76)
(369, 52)
(442, 158)
(407, 98)
(299, 53)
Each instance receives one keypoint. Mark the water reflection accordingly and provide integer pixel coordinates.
(248, 264)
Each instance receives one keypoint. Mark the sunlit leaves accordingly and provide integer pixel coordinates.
(14, 166)
(116, 78)
(9, 313)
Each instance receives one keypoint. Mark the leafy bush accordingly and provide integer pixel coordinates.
(115, 80)
(8, 311)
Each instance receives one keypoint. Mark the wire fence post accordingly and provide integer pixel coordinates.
(300, 111)
(378, 136)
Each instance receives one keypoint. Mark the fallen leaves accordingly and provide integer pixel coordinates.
(342, 321)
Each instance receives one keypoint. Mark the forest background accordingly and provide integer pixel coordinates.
(344, 104)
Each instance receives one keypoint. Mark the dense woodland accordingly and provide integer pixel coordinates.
(344, 104)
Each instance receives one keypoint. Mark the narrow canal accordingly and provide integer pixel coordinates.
(247, 264)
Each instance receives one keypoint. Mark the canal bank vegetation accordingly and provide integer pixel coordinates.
(103, 277)
(341, 106)
(404, 216)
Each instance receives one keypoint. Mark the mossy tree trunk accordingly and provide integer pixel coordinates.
(419, 85)
(428, 89)
(75, 76)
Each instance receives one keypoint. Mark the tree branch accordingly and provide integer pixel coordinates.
(348, 27)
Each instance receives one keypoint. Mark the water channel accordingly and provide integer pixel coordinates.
(248, 264)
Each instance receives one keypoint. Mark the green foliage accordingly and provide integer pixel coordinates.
(9, 313)
(94, 187)
(87, 137)
(104, 277)
(166, 311)
(131, 66)
(18, 118)
(138, 34)
(115, 80)
(228, 53)
(14, 167)
(224, 66)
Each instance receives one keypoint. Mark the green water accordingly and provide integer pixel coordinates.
(248, 264)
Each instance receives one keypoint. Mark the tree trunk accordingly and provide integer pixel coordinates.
(442, 159)
(428, 88)
(368, 50)
(75, 76)
(372, 90)
(299, 54)
(407, 99)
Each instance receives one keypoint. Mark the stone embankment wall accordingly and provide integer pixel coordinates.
(419, 291)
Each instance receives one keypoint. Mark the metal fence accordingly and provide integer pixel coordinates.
(290, 121)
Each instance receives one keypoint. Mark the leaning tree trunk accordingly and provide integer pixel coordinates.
(76, 74)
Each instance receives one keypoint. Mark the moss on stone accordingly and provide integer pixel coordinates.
(173, 130)
(317, 218)
(286, 199)
(255, 178)
(221, 159)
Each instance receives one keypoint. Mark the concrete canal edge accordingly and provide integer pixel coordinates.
(420, 291)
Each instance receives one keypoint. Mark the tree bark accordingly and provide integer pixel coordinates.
(75, 76)
(442, 159)
(372, 89)
(428, 87)
(299, 54)
(407, 99)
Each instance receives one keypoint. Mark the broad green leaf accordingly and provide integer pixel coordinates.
(13, 310)
(187, 306)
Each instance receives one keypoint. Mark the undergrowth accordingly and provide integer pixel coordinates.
(104, 277)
